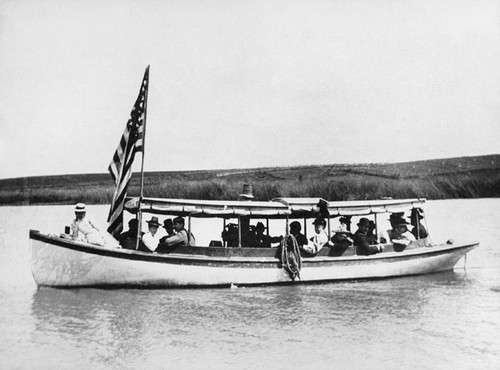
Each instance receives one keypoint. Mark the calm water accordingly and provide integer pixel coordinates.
(441, 321)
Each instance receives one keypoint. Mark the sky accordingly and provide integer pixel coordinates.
(247, 83)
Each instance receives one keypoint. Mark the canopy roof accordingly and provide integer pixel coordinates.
(277, 208)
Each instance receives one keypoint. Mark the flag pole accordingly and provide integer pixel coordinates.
(139, 212)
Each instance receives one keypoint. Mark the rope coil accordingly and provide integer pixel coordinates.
(290, 256)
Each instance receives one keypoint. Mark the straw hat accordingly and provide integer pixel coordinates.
(80, 207)
(154, 221)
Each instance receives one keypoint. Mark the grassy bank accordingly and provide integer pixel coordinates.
(467, 177)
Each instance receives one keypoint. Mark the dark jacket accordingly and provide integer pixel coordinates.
(362, 244)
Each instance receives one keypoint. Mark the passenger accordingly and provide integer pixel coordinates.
(295, 229)
(320, 239)
(151, 238)
(403, 235)
(371, 235)
(342, 239)
(394, 219)
(84, 229)
(128, 239)
(362, 241)
(418, 231)
(168, 225)
(181, 237)
(262, 240)
(247, 233)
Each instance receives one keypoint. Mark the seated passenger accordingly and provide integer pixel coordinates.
(151, 238)
(342, 239)
(261, 240)
(403, 235)
(181, 237)
(230, 235)
(362, 241)
(128, 238)
(168, 225)
(295, 229)
(418, 231)
(84, 229)
(320, 239)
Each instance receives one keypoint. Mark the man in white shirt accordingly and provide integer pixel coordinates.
(151, 238)
(319, 240)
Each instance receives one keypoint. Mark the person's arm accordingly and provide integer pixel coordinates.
(180, 237)
(74, 230)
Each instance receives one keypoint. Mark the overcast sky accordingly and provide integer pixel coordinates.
(243, 83)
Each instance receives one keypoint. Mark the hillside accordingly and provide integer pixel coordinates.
(463, 177)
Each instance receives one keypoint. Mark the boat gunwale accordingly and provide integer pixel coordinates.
(178, 258)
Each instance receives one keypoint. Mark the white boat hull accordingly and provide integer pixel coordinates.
(61, 263)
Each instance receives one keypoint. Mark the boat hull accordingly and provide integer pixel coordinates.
(58, 262)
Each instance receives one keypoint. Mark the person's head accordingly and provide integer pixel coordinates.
(168, 225)
(80, 211)
(295, 227)
(260, 228)
(153, 225)
(364, 225)
(395, 218)
(133, 224)
(402, 227)
(319, 224)
(178, 223)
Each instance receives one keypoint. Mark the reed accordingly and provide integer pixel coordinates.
(471, 178)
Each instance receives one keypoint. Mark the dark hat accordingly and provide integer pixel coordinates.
(364, 222)
(153, 221)
(168, 223)
(343, 232)
(179, 219)
(295, 225)
(319, 221)
(260, 225)
(247, 192)
(396, 215)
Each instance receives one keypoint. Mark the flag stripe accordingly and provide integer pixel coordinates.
(120, 167)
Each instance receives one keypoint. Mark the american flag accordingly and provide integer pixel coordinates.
(132, 141)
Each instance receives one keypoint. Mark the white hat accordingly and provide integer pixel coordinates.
(80, 207)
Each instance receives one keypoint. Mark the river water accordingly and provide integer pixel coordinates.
(442, 321)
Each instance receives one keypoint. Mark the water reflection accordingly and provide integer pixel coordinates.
(119, 326)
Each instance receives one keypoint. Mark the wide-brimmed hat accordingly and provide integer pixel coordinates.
(247, 192)
(260, 225)
(364, 222)
(343, 232)
(80, 207)
(396, 216)
(153, 221)
(319, 221)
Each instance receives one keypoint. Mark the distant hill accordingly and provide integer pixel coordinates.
(462, 177)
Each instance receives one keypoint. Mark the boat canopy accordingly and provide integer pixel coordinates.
(305, 206)
(277, 208)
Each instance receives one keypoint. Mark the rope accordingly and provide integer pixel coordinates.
(290, 256)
